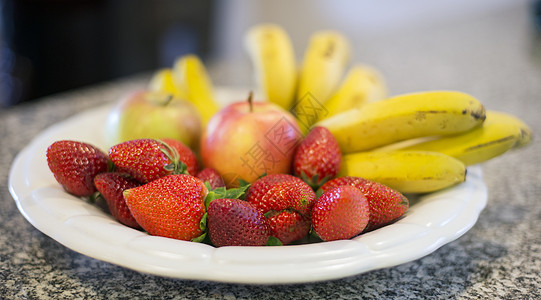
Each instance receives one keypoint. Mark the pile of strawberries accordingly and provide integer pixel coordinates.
(156, 186)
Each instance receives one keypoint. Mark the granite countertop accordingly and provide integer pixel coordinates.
(496, 58)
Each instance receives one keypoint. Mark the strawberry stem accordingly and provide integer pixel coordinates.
(176, 166)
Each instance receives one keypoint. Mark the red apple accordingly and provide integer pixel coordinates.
(151, 114)
(247, 139)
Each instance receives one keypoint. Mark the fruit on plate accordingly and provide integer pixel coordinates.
(499, 133)
(111, 186)
(362, 84)
(386, 205)
(74, 165)
(234, 222)
(340, 213)
(286, 201)
(190, 76)
(273, 58)
(155, 115)
(317, 158)
(405, 117)
(147, 159)
(247, 139)
(323, 66)
(171, 206)
(405, 171)
(364, 153)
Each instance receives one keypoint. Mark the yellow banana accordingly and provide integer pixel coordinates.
(190, 75)
(324, 63)
(499, 133)
(405, 171)
(404, 117)
(362, 84)
(162, 81)
(273, 58)
(526, 135)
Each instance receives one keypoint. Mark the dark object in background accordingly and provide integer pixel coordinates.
(51, 46)
(536, 9)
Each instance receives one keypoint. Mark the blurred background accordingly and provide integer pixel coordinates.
(51, 46)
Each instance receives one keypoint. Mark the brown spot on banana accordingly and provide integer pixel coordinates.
(329, 50)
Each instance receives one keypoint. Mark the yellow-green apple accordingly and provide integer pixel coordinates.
(152, 114)
(247, 139)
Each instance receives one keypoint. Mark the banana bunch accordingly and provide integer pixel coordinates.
(423, 142)
(318, 88)
(188, 79)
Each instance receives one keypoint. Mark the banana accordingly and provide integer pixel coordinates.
(361, 85)
(405, 171)
(404, 117)
(190, 75)
(324, 63)
(499, 133)
(162, 81)
(526, 135)
(273, 58)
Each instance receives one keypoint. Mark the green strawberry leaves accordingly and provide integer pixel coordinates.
(315, 183)
(176, 166)
(218, 193)
(222, 192)
(274, 241)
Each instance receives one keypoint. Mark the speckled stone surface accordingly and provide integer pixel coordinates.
(496, 57)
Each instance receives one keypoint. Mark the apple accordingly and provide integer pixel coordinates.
(247, 139)
(153, 114)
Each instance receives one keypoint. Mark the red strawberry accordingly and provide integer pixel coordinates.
(259, 187)
(212, 176)
(275, 194)
(386, 204)
(340, 213)
(171, 206)
(147, 159)
(75, 164)
(234, 222)
(288, 226)
(318, 157)
(111, 185)
(185, 155)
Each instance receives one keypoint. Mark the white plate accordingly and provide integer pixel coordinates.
(432, 221)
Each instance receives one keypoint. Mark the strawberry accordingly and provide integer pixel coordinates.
(318, 158)
(340, 213)
(286, 201)
(234, 222)
(147, 159)
(288, 226)
(75, 164)
(171, 206)
(185, 155)
(111, 185)
(386, 204)
(212, 176)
